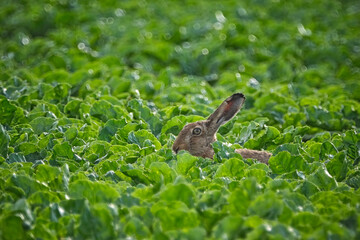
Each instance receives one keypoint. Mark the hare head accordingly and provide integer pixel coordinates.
(197, 137)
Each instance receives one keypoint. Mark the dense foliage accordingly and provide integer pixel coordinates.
(93, 93)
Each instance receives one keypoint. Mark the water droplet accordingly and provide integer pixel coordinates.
(241, 68)
(110, 20)
(182, 30)
(119, 12)
(178, 49)
(148, 35)
(196, 26)
(220, 17)
(254, 83)
(209, 36)
(241, 12)
(222, 37)
(267, 227)
(138, 65)
(135, 75)
(25, 40)
(252, 38)
(186, 45)
(218, 26)
(303, 31)
(94, 53)
(81, 46)
(205, 51)
(48, 7)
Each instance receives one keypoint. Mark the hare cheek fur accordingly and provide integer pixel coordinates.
(198, 142)
(197, 145)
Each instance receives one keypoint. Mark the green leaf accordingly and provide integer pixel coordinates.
(184, 162)
(43, 124)
(97, 221)
(144, 138)
(12, 227)
(27, 184)
(162, 169)
(322, 179)
(59, 93)
(7, 111)
(135, 227)
(241, 198)
(307, 188)
(338, 166)
(175, 124)
(223, 151)
(284, 162)
(259, 174)
(266, 206)
(4, 141)
(231, 227)
(63, 150)
(231, 168)
(306, 221)
(96, 150)
(191, 234)
(289, 147)
(179, 192)
(71, 134)
(93, 191)
(137, 175)
(143, 112)
(328, 150)
(72, 108)
(43, 198)
(353, 179)
(46, 173)
(104, 111)
(110, 128)
(27, 148)
(269, 135)
(248, 132)
(16, 157)
(174, 215)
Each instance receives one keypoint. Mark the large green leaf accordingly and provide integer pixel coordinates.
(179, 192)
(284, 162)
(93, 191)
(43, 124)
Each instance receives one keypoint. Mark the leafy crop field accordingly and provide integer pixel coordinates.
(93, 94)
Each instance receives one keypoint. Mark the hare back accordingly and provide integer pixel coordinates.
(261, 156)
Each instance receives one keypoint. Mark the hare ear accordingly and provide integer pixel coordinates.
(226, 111)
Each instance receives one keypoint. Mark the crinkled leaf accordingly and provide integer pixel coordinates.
(284, 162)
(43, 124)
(144, 138)
(231, 168)
(144, 112)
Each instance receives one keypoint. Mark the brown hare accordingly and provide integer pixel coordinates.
(197, 137)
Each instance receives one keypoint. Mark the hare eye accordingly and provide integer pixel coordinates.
(196, 131)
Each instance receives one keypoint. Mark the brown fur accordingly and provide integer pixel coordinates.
(200, 144)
